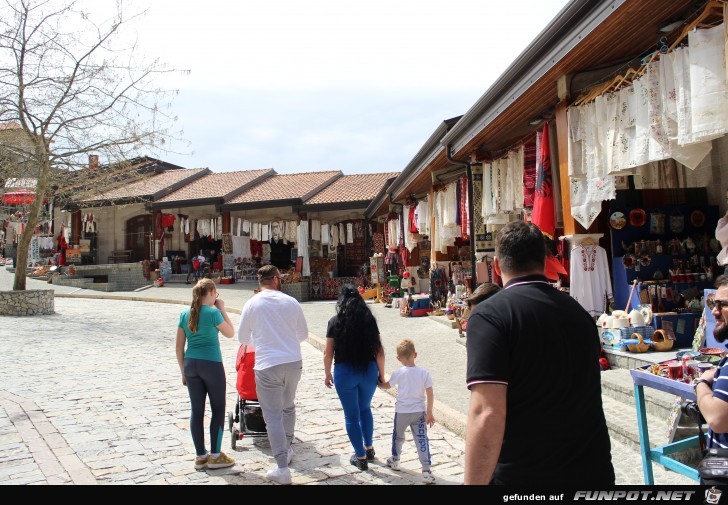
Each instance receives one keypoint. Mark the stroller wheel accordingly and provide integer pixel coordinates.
(230, 421)
(234, 438)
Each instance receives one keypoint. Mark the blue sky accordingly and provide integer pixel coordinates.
(309, 85)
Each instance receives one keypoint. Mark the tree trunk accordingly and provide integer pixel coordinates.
(21, 261)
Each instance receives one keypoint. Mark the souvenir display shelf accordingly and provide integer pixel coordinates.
(643, 378)
(671, 246)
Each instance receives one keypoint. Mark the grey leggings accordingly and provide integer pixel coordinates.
(206, 378)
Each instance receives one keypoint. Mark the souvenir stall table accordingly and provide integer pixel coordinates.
(675, 376)
(643, 378)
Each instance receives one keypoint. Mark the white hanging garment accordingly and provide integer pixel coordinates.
(246, 226)
(219, 228)
(392, 233)
(349, 233)
(518, 162)
(577, 167)
(589, 276)
(423, 216)
(264, 236)
(689, 155)
(325, 237)
(449, 212)
(240, 227)
(334, 235)
(291, 231)
(708, 89)
(315, 229)
(302, 239)
(342, 233)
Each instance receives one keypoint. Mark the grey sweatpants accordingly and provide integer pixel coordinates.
(276, 387)
(418, 425)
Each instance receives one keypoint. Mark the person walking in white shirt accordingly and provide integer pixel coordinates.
(274, 324)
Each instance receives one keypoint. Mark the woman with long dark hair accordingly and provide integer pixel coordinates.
(202, 369)
(353, 344)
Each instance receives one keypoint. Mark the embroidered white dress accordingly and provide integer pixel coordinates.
(590, 284)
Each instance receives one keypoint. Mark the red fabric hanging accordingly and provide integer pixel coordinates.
(413, 220)
(543, 206)
(463, 207)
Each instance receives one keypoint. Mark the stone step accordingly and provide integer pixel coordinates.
(444, 320)
(76, 282)
(617, 383)
(102, 286)
(622, 424)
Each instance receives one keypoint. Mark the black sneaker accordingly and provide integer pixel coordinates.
(370, 454)
(361, 464)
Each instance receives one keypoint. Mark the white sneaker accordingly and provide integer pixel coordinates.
(290, 454)
(427, 477)
(279, 475)
(393, 463)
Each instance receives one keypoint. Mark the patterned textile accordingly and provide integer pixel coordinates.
(463, 206)
(529, 172)
(378, 241)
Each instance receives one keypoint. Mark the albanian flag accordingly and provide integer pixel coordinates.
(543, 202)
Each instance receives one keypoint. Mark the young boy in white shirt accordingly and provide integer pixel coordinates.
(413, 407)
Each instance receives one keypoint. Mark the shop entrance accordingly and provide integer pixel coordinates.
(138, 234)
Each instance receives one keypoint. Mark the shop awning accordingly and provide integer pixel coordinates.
(19, 197)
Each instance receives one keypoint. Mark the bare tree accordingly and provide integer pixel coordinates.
(73, 86)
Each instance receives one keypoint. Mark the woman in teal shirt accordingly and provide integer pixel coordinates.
(202, 369)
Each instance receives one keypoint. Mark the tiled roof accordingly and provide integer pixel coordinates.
(215, 185)
(352, 188)
(285, 187)
(147, 186)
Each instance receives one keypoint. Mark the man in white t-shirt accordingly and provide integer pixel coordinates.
(273, 323)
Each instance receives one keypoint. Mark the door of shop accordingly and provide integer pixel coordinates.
(138, 233)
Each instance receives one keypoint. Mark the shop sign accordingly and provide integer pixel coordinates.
(34, 254)
(73, 255)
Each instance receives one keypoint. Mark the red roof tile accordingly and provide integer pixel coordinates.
(215, 185)
(285, 187)
(147, 186)
(352, 188)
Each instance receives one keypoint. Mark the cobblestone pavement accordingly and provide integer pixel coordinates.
(115, 412)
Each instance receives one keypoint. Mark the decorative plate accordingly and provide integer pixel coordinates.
(677, 222)
(645, 260)
(617, 220)
(697, 218)
(713, 351)
(637, 218)
(629, 261)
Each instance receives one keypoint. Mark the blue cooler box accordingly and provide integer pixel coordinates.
(420, 302)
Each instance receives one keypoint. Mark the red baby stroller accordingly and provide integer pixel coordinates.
(247, 408)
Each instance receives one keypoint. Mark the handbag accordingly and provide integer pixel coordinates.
(713, 468)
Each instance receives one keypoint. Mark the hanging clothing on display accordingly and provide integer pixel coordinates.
(246, 226)
(325, 234)
(349, 233)
(240, 227)
(590, 283)
(438, 285)
(291, 231)
(303, 247)
(315, 229)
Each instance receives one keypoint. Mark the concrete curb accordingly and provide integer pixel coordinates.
(448, 417)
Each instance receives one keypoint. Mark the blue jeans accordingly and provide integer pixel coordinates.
(355, 390)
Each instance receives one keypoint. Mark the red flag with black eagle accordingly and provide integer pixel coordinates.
(543, 204)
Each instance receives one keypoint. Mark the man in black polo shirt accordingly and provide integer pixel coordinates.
(533, 372)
